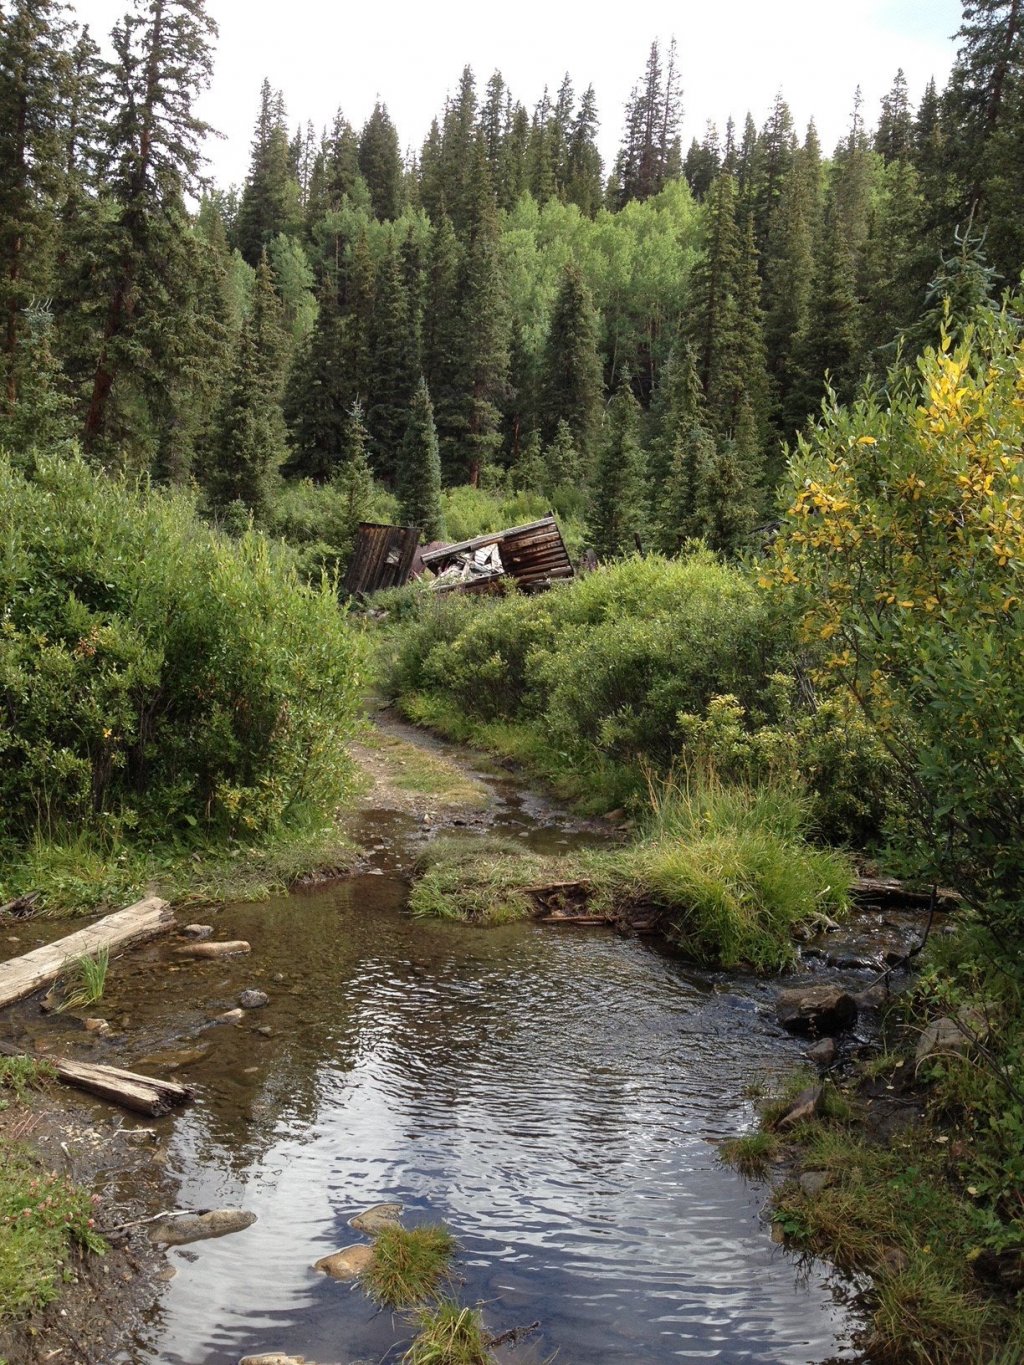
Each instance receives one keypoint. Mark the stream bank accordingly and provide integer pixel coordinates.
(555, 1096)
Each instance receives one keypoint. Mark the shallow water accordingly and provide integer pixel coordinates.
(554, 1095)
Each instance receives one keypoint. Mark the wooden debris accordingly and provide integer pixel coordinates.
(24, 975)
(143, 1094)
(21, 907)
(890, 891)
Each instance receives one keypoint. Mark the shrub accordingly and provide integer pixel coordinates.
(156, 676)
(318, 522)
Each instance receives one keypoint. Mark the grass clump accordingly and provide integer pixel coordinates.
(87, 976)
(449, 1335)
(409, 1264)
(752, 1153)
(20, 1075)
(477, 881)
(44, 1219)
(731, 864)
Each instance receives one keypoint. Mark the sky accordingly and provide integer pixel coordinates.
(734, 56)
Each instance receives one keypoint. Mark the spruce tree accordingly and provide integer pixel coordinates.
(271, 200)
(419, 476)
(442, 331)
(831, 342)
(353, 476)
(676, 414)
(393, 365)
(570, 376)
(317, 393)
(677, 516)
(565, 465)
(894, 136)
(380, 163)
(163, 59)
(617, 513)
(582, 178)
(788, 276)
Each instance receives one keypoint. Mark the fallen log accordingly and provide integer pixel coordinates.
(24, 975)
(890, 891)
(143, 1094)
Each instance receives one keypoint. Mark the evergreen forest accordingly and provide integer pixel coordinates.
(634, 344)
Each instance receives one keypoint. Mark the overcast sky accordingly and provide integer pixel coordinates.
(735, 54)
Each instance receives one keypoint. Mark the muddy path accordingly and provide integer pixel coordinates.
(555, 1095)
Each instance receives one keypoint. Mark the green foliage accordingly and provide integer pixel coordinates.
(617, 517)
(752, 1153)
(43, 1219)
(476, 881)
(420, 469)
(449, 1335)
(159, 677)
(22, 1075)
(409, 1264)
(903, 546)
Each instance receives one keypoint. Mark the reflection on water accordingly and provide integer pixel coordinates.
(549, 1094)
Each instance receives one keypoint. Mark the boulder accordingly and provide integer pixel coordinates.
(346, 1264)
(806, 1106)
(197, 930)
(253, 999)
(951, 1037)
(198, 1227)
(373, 1220)
(816, 1010)
(230, 1017)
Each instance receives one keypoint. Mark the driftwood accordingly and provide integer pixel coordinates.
(23, 975)
(143, 1094)
(21, 907)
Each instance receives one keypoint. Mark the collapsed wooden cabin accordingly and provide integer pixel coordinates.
(533, 555)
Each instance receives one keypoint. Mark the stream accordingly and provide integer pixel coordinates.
(554, 1095)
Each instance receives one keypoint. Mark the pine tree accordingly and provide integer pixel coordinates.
(571, 383)
(34, 92)
(831, 343)
(353, 475)
(380, 163)
(582, 180)
(894, 136)
(690, 469)
(442, 330)
(43, 417)
(771, 159)
(163, 58)
(419, 480)
(650, 147)
(788, 274)
(318, 390)
(393, 365)
(565, 465)
(271, 200)
(252, 445)
(676, 413)
(617, 514)
(894, 270)
(703, 162)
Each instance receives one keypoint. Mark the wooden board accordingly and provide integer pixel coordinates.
(143, 1094)
(21, 976)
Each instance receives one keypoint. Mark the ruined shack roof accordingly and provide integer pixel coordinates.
(533, 554)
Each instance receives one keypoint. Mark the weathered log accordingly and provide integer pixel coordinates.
(23, 975)
(143, 1094)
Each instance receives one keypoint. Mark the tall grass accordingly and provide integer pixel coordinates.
(87, 977)
(449, 1335)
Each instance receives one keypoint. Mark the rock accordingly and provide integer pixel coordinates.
(274, 1358)
(264, 1030)
(346, 1264)
(823, 1053)
(197, 1227)
(99, 1026)
(230, 1017)
(197, 930)
(951, 1037)
(253, 1000)
(813, 1182)
(806, 1106)
(224, 948)
(372, 1220)
(816, 1010)
(874, 998)
(894, 1260)
(853, 962)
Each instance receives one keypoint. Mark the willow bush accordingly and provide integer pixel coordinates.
(156, 676)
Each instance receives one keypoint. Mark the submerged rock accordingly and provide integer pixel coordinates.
(372, 1220)
(223, 948)
(253, 999)
(346, 1264)
(198, 1227)
(197, 930)
(230, 1016)
(99, 1026)
(816, 1010)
